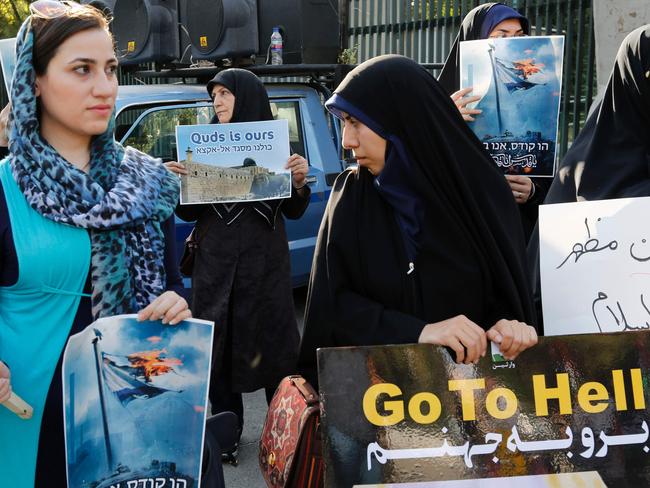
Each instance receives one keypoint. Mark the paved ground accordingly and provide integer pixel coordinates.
(247, 474)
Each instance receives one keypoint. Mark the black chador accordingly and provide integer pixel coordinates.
(433, 236)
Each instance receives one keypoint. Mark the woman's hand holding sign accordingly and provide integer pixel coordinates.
(462, 101)
(513, 337)
(299, 169)
(169, 307)
(469, 341)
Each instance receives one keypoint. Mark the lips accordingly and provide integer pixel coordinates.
(102, 108)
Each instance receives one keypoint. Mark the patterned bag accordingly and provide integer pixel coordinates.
(290, 446)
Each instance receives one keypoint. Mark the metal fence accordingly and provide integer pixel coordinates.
(424, 30)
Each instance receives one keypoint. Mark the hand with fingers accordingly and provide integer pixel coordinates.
(169, 307)
(299, 169)
(461, 101)
(467, 339)
(176, 167)
(522, 187)
(513, 337)
(5, 382)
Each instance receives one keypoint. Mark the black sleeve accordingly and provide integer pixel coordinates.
(174, 279)
(293, 208)
(4, 152)
(190, 213)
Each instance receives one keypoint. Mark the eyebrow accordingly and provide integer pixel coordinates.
(508, 30)
(91, 61)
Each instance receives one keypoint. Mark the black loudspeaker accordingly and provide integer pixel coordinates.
(220, 29)
(309, 28)
(105, 6)
(146, 30)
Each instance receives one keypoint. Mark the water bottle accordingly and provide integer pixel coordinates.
(276, 46)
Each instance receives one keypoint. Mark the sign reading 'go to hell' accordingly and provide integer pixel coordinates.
(405, 414)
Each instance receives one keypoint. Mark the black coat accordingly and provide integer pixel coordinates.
(241, 278)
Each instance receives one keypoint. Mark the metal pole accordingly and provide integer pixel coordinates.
(102, 401)
(496, 87)
(344, 21)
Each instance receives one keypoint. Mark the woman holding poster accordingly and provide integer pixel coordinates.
(80, 226)
(493, 20)
(420, 243)
(241, 278)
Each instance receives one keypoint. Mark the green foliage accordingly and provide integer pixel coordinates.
(12, 14)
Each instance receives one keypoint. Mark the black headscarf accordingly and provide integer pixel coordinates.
(470, 247)
(610, 158)
(251, 105)
(251, 100)
(477, 24)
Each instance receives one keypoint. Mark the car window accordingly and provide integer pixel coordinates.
(290, 111)
(154, 131)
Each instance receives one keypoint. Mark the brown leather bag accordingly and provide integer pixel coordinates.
(186, 264)
(290, 445)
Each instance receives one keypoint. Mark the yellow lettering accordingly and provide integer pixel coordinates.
(542, 394)
(415, 408)
(492, 405)
(637, 389)
(466, 388)
(619, 389)
(394, 408)
(593, 392)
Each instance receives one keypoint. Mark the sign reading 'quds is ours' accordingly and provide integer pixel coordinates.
(405, 414)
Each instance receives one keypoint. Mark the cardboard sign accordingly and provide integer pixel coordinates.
(595, 266)
(519, 80)
(229, 163)
(409, 413)
(135, 403)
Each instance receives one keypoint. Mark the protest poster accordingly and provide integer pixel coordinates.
(239, 162)
(595, 266)
(135, 403)
(8, 60)
(408, 414)
(519, 80)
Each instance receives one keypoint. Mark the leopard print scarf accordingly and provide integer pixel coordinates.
(122, 201)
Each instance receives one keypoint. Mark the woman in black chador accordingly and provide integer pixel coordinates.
(489, 21)
(241, 277)
(420, 243)
(610, 158)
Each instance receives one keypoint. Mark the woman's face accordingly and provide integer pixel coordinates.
(223, 101)
(507, 28)
(368, 147)
(78, 89)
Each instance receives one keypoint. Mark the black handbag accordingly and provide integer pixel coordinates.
(186, 264)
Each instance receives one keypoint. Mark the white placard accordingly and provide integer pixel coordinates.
(595, 266)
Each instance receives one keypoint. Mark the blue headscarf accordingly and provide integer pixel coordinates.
(122, 202)
(394, 183)
(497, 14)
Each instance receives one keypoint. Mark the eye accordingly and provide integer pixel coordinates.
(112, 69)
(84, 69)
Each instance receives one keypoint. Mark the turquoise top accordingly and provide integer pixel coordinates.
(36, 314)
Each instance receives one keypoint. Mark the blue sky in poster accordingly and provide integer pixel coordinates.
(533, 109)
(168, 427)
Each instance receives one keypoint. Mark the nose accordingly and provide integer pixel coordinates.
(348, 138)
(105, 85)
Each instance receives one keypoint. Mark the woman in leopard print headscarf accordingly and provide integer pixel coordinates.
(80, 225)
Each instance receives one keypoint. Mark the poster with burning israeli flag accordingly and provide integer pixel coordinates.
(135, 403)
(519, 80)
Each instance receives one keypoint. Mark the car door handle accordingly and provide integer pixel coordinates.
(310, 180)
